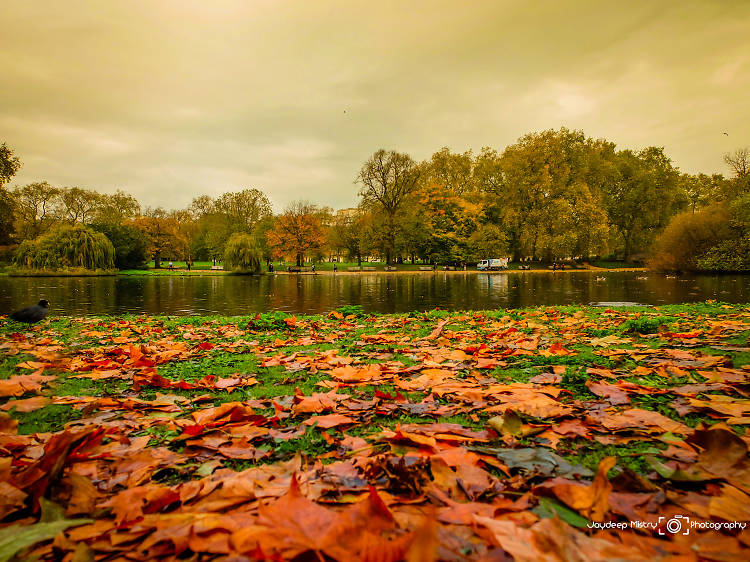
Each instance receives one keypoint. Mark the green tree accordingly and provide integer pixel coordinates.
(643, 198)
(65, 247)
(548, 186)
(242, 254)
(130, 244)
(487, 242)
(739, 162)
(247, 211)
(37, 208)
(387, 180)
(9, 164)
(79, 205)
(7, 215)
(116, 208)
(450, 170)
(702, 190)
(243, 209)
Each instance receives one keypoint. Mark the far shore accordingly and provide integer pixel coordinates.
(345, 271)
(200, 272)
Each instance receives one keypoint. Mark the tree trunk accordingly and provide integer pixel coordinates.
(628, 246)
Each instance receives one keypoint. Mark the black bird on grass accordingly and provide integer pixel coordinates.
(32, 314)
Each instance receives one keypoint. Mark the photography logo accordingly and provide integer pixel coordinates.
(679, 524)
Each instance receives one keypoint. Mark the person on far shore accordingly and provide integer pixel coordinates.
(270, 267)
(313, 268)
(171, 265)
(334, 268)
(187, 264)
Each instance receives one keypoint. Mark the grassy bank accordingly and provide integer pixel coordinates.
(14, 271)
(459, 431)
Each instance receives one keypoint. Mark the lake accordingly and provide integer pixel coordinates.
(375, 292)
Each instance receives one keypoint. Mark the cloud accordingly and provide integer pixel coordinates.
(172, 99)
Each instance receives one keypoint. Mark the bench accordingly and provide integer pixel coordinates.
(295, 269)
(368, 269)
(217, 267)
(389, 268)
(449, 268)
(354, 269)
(425, 268)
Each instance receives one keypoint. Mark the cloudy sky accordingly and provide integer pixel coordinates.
(172, 99)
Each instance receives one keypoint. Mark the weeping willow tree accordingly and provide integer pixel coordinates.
(242, 254)
(67, 247)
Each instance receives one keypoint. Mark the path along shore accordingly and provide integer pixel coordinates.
(397, 271)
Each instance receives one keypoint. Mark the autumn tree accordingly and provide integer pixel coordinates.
(387, 179)
(297, 232)
(444, 223)
(351, 233)
(162, 232)
(688, 236)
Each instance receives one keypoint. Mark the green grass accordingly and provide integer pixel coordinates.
(468, 328)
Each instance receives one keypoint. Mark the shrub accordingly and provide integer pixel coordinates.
(730, 255)
(689, 236)
(242, 254)
(67, 247)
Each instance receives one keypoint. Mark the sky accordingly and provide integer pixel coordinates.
(171, 99)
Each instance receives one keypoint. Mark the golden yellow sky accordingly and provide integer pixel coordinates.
(171, 99)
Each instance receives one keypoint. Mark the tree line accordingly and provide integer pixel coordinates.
(555, 194)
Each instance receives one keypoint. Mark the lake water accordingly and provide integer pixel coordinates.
(375, 292)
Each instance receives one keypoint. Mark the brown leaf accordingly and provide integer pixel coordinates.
(27, 405)
(551, 540)
(590, 501)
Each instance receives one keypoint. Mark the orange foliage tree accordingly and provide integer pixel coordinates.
(297, 232)
(164, 234)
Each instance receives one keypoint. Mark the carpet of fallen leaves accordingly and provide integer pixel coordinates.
(428, 436)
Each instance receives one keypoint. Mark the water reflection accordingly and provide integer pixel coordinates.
(401, 292)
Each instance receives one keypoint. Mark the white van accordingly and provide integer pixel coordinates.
(493, 264)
